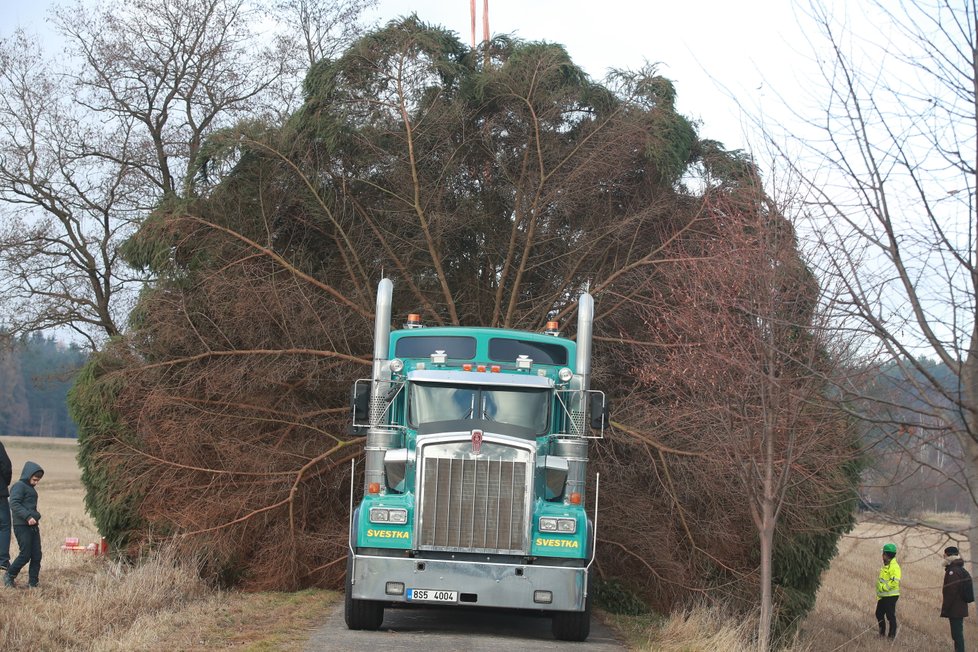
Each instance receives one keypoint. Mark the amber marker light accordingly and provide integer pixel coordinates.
(467, 366)
(494, 368)
(481, 367)
(374, 488)
(575, 498)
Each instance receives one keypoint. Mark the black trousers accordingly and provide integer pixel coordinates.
(957, 633)
(886, 607)
(29, 540)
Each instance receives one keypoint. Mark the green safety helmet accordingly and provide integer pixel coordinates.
(890, 548)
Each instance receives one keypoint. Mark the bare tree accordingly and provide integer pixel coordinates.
(891, 172)
(90, 146)
(68, 210)
(746, 363)
(323, 28)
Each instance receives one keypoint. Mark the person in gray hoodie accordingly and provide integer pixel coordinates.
(23, 508)
(6, 471)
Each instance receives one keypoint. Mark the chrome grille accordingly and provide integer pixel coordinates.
(473, 504)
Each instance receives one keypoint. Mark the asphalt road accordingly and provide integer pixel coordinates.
(455, 630)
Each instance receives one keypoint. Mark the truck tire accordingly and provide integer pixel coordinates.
(362, 614)
(573, 625)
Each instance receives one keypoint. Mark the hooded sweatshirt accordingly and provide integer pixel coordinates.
(23, 497)
(6, 472)
(958, 590)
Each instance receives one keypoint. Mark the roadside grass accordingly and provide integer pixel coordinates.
(93, 603)
(693, 630)
(843, 617)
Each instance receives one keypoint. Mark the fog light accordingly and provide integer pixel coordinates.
(394, 588)
(543, 597)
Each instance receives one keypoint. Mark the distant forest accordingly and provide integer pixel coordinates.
(35, 374)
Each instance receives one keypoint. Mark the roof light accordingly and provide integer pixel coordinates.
(553, 328)
(413, 321)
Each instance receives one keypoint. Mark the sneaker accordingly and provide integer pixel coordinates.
(8, 580)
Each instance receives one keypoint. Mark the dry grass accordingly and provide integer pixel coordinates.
(700, 629)
(90, 603)
(843, 618)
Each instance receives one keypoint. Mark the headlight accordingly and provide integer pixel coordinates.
(397, 365)
(386, 515)
(560, 525)
(565, 374)
(567, 525)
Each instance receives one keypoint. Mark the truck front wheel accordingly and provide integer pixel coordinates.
(362, 614)
(573, 625)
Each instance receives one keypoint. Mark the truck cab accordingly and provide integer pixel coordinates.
(474, 473)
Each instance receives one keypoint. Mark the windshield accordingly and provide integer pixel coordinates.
(515, 406)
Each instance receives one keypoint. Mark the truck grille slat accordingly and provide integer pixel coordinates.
(473, 504)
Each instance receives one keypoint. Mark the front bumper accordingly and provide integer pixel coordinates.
(479, 584)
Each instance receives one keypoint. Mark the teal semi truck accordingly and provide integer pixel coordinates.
(474, 473)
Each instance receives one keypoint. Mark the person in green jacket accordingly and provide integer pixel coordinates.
(23, 509)
(888, 591)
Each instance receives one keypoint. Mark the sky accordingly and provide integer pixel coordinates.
(721, 55)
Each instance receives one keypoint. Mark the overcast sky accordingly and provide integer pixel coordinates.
(718, 53)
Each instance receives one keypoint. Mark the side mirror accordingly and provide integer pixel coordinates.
(598, 411)
(360, 402)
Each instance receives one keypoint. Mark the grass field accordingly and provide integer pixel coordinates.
(92, 603)
(843, 617)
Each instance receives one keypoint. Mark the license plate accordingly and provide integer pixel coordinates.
(431, 595)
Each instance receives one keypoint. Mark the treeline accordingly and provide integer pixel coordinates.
(915, 461)
(36, 372)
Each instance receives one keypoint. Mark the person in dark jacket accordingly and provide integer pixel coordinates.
(958, 591)
(6, 473)
(23, 508)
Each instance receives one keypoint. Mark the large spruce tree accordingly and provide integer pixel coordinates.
(492, 186)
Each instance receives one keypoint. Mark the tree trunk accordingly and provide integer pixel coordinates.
(969, 443)
(766, 616)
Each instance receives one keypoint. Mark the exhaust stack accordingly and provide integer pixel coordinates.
(574, 449)
(380, 437)
(585, 320)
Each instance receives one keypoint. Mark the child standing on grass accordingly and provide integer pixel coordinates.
(23, 507)
(5, 473)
